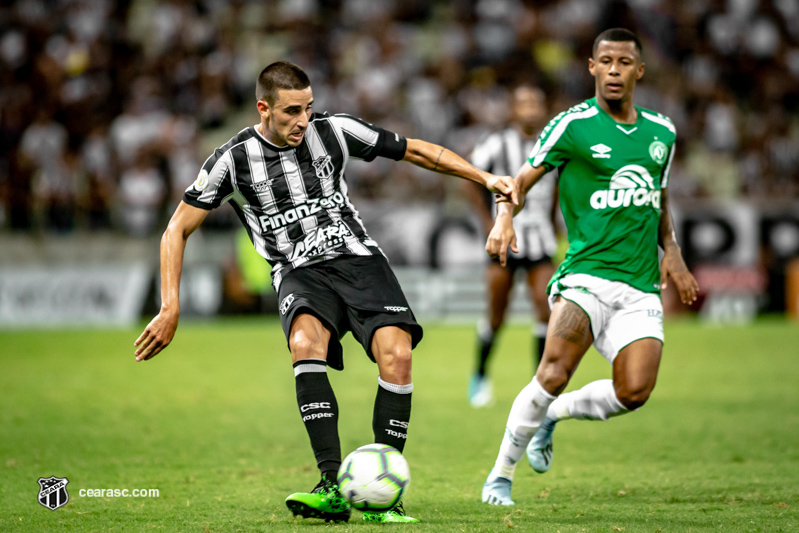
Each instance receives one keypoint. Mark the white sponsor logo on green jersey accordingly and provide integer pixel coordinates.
(630, 185)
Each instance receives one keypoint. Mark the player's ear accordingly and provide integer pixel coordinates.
(263, 109)
(640, 72)
(591, 66)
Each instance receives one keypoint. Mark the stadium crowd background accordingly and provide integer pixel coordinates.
(107, 109)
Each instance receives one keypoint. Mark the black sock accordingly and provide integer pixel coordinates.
(539, 351)
(392, 414)
(485, 341)
(319, 412)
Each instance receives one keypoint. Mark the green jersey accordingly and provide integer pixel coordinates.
(610, 180)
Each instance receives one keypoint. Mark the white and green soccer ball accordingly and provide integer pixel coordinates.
(374, 477)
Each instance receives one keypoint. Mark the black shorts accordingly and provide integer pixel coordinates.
(359, 294)
(524, 263)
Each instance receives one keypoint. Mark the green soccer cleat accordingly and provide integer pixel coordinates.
(324, 501)
(394, 516)
(539, 451)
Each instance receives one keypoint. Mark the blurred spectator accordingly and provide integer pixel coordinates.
(86, 86)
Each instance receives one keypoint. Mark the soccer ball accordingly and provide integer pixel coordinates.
(374, 477)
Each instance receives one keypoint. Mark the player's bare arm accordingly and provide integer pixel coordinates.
(502, 234)
(438, 159)
(161, 329)
(673, 264)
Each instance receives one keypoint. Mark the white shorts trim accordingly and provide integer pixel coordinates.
(619, 313)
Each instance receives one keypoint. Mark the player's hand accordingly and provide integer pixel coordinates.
(502, 235)
(156, 336)
(505, 187)
(674, 266)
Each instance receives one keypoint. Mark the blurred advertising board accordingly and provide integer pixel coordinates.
(43, 297)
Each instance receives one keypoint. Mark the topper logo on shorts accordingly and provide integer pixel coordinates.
(395, 308)
(286, 303)
(631, 184)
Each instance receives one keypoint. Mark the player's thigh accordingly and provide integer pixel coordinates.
(537, 280)
(635, 371)
(391, 348)
(568, 338)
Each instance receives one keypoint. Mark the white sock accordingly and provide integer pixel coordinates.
(528, 411)
(595, 401)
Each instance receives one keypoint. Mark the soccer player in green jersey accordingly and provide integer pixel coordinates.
(614, 160)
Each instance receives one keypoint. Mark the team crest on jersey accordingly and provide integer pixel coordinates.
(53, 492)
(658, 152)
(323, 167)
(286, 304)
(202, 181)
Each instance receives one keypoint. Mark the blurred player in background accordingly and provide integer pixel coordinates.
(614, 160)
(505, 152)
(285, 180)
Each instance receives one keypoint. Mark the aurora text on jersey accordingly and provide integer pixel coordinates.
(293, 200)
(610, 180)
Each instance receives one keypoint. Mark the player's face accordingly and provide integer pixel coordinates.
(616, 67)
(285, 122)
(529, 107)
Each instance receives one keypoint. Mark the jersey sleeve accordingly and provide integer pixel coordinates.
(553, 147)
(485, 152)
(214, 184)
(366, 141)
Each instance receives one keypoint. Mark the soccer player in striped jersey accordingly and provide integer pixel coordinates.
(284, 177)
(504, 152)
(614, 159)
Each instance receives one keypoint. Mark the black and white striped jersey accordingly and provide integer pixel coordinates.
(503, 153)
(293, 200)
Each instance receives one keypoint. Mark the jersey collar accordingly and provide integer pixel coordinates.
(270, 144)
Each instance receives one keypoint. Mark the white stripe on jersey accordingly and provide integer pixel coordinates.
(541, 151)
(335, 214)
(217, 174)
(513, 145)
(664, 179)
(357, 130)
(317, 150)
(257, 162)
(660, 120)
(293, 177)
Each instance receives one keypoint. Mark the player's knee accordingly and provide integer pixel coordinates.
(633, 397)
(304, 347)
(553, 377)
(396, 364)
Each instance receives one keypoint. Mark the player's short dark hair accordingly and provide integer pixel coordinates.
(618, 35)
(279, 75)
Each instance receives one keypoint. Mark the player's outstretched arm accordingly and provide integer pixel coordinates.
(161, 329)
(673, 264)
(438, 159)
(502, 234)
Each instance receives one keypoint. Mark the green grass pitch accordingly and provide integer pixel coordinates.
(213, 424)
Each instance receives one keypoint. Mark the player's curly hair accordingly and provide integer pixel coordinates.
(618, 35)
(279, 75)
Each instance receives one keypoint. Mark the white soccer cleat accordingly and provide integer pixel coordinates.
(496, 491)
(481, 393)
(539, 451)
